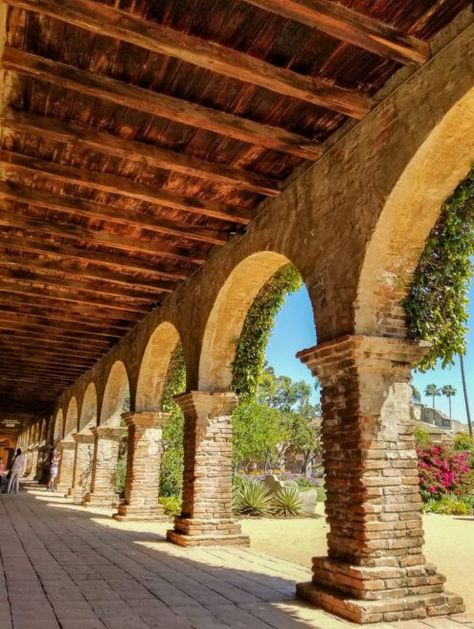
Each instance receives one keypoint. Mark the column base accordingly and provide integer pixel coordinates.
(105, 501)
(196, 532)
(76, 495)
(139, 514)
(63, 490)
(373, 594)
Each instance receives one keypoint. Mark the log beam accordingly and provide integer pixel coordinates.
(349, 26)
(161, 105)
(146, 154)
(106, 20)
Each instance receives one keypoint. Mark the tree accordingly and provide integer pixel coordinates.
(415, 394)
(432, 391)
(280, 418)
(449, 391)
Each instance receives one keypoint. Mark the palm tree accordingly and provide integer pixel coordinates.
(432, 391)
(466, 399)
(449, 392)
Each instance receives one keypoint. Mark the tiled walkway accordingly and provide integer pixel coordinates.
(64, 566)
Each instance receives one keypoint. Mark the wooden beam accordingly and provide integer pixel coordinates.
(15, 377)
(19, 363)
(32, 273)
(41, 294)
(146, 154)
(16, 342)
(118, 216)
(88, 255)
(17, 220)
(122, 282)
(161, 105)
(106, 20)
(349, 26)
(68, 364)
(20, 308)
(73, 344)
(124, 187)
(40, 372)
(40, 329)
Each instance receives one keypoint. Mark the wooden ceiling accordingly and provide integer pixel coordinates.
(137, 136)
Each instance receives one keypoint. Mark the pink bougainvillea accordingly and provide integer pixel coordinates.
(444, 471)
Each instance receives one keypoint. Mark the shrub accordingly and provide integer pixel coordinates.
(444, 471)
(449, 505)
(286, 502)
(171, 504)
(121, 475)
(422, 437)
(462, 441)
(251, 497)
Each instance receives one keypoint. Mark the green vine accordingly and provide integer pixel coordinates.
(437, 304)
(250, 352)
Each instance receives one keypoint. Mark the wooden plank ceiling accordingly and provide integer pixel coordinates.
(137, 136)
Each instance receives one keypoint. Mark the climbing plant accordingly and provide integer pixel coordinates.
(250, 351)
(171, 479)
(437, 304)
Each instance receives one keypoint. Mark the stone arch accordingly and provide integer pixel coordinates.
(227, 317)
(72, 418)
(154, 366)
(116, 391)
(409, 214)
(89, 408)
(58, 426)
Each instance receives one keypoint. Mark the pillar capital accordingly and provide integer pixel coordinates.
(146, 419)
(207, 404)
(329, 360)
(108, 432)
(66, 444)
(83, 437)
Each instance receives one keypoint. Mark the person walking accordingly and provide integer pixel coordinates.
(16, 470)
(53, 469)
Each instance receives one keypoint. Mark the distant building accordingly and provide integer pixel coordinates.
(438, 420)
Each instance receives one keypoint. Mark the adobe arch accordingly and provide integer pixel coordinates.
(116, 391)
(89, 408)
(227, 317)
(58, 426)
(154, 366)
(409, 214)
(72, 417)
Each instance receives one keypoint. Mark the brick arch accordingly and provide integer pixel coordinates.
(154, 366)
(227, 317)
(88, 416)
(58, 426)
(72, 418)
(116, 390)
(409, 213)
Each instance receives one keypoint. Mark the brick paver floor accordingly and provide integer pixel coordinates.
(70, 567)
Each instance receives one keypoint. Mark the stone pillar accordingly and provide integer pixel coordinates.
(66, 466)
(103, 492)
(143, 467)
(206, 517)
(375, 569)
(31, 462)
(82, 474)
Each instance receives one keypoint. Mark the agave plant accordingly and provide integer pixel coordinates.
(286, 502)
(252, 498)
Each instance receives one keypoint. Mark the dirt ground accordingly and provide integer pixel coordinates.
(449, 544)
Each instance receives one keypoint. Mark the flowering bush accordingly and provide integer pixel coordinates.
(444, 471)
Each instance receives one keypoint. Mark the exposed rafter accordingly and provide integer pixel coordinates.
(146, 101)
(146, 154)
(123, 187)
(104, 259)
(118, 216)
(106, 20)
(354, 28)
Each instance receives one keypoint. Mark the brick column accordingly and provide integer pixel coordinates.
(143, 467)
(206, 516)
(106, 449)
(375, 569)
(66, 466)
(82, 474)
(31, 462)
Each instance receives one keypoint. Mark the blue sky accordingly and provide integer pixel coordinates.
(294, 330)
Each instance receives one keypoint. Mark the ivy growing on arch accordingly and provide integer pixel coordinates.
(250, 350)
(437, 304)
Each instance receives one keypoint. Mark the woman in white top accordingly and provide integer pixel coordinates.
(16, 470)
